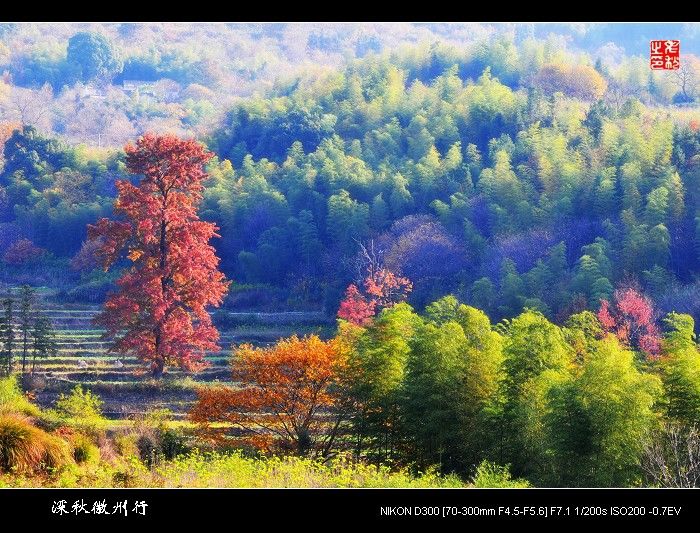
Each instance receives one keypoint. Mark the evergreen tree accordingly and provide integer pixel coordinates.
(537, 359)
(374, 378)
(26, 300)
(451, 386)
(44, 339)
(597, 422)
(483, 294)
(7, 334)
(511, 289)
(681, 369)
(378, 213)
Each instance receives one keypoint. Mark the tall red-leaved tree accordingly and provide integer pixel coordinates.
(159, 312)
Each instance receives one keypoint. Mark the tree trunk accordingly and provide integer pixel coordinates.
(24, 349)
(303, 442)
(159, 363)
(157, 368)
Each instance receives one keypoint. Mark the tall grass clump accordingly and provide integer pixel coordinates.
(155, 440)
(24, 448)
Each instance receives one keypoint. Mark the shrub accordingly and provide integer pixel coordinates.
(155, 441)
(123, 479)
(26, 448)
(132, 474)
(12, 400)
(671, 457)
(147, 444)
(126, 445)
(173, 444)
(491, 475)
(81, 410)
(23, 252)
(84, 450)
(80, 404)
(33, 382)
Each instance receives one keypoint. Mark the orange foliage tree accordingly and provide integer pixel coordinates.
(579, 81)
(6, 129)
(287, 399)
(159, 312)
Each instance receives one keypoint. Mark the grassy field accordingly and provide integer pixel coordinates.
(200, 470)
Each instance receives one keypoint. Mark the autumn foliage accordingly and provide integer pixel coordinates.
(85, 259)
(578, 81)
(355, 307)
(22, 251)
(286, 400)
(6, 129)
(159, 311)
(382, 288)
(630, 317)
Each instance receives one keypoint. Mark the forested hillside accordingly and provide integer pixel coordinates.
(509, 198)
(512, 171)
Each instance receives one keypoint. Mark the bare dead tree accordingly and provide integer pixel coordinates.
(616, 95)
(31, 106)
(671, 458)
(368, 261)
(95, 122)
(685, 78)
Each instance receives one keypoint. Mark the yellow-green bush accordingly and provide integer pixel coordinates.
(492, 476)
(24, 448)
(12, 400)
(80, 404)
(126, 445)
(81, 409)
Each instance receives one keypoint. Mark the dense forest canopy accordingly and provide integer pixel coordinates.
(536, 166)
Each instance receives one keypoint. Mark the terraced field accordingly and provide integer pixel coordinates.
(123, 383)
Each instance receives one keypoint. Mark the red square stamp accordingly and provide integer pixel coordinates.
(665, 55)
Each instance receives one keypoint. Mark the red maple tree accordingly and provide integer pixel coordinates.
(159, 312)
(631, 318)
(382, 288)
(355, 307)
